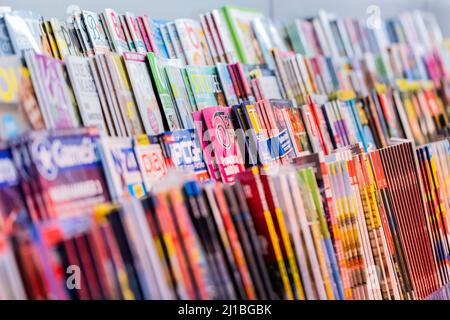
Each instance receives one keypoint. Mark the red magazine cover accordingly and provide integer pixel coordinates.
(194, 253)
(282, 233)
(173, 245)
(265, 229)
(235, 244)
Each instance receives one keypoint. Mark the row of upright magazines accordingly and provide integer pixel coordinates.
(228, 157)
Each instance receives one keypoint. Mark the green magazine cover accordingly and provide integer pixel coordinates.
(239, 21)
(162, 87)
(205, 85)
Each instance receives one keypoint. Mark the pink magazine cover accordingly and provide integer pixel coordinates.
(224, 142)
(208, 151)
(144, 34)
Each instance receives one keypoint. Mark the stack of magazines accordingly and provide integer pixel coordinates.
(225, 158)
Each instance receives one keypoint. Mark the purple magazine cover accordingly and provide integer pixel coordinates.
(67, 170)
(55, 92)
(21, 164)
(12, 206)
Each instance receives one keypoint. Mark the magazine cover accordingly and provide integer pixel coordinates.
(239, 22)
(160, 82)
(166, 39)
(193, 41)
(178, 88)
(155, 26)
(126, 32)
(109, 102)
(115, 31)
(19, 109)
(85, 92)
(141, 83)
(121, 167)
(227, 84)
(175, 41)
(95, 31)
(210, 39)
(219, 23)
(6, 47)
(146, 32)
(67, 171)
(264, 228)
(22, 30)
(262, 27)
(207, 149)
(151, 161)
(205, 84)
(51, 90)
(12, 206)
(62, 37)
(135, 33)
(182, 150)
(124, 93)
(224, 142)
(83, 34)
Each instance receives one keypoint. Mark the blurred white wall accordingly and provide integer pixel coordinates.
(285, 10)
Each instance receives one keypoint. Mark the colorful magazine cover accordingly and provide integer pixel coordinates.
(207, 149)
(121, 167)
(175, 41)
(261, 28)
(135, 33)
(239, 22)
(12, 205)
(179, 92)
(162, 87)
(67, 171)
(115, 31)
(139, 73)
(19, 109)
(151, 161)
(205, 84)
(124, 93)
(51, 89)
(224, 142)
(155, 26)
(95, 31)
(227, 84)
(182, 150)
(193, 41)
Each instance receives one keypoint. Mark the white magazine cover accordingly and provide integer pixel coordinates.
(151, 162)
(102, 96)
(95, 31)
(121, 168)
(139, 74)
(192, 41)
(86, 93)
(135, 33)
(116, 32)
